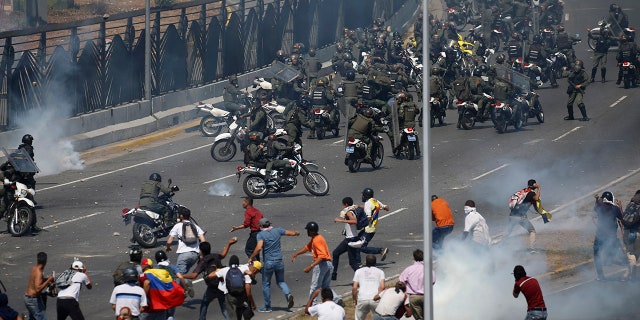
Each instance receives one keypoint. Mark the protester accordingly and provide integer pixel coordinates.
(413, 278)
(391, 300)
(252, 218)
(368, 281)
(327, 310)
(67, 303)
(6, 312)
(128, 298)
(33, 299)
(189, 236)
(530, 288)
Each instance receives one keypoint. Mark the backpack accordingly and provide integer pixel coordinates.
(189, 233)
(235, 281)
(361, 218)
(517, 198)
(63, 280)
(212, 265)
(631, 215)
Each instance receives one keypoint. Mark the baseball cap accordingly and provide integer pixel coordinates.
(264, 222)
(146, 262)
(77, 265)
(257, 264)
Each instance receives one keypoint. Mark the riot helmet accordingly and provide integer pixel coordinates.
(27, 139)
(320, 82)
(233, 79)
(537, 39)
(312, 52)
(350, 74)
(368, 112)
(500, 58)
(312, 226)
(367, 194)
(155, 177)
(294, 59)
(280, 56)
(466, 73)
(130, 274)
(578, 65)
(560, 28)
(161, 256)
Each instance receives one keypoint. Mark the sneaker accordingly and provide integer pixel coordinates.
(290, 301)
(264, 309)
(334, 276)
(618, 82)
(340, 303)
(384, 254)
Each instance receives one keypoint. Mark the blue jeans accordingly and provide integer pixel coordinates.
(365, 246)
(209, 295)
(268, 269)
(536, 315)
(321, 278)
(186, 260)
(438, 235)
(35, 308)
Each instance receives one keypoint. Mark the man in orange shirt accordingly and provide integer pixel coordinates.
(321, 266)
(443, 216)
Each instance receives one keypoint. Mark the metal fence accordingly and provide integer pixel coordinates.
(89, 65)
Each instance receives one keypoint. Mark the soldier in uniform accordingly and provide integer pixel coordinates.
(349, 90)
(311, 67)
(362, 126)
(274, 155)
(322, 98)
(578, 81)
(600, 52)
(627, 52)
(564, 44)
(231, 94)
(538, 55)
(407, 113)
(296, 118)
(149, 192)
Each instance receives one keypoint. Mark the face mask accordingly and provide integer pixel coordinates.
(468, 209)
(577, 68)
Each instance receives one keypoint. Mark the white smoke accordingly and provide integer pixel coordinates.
(220, 189)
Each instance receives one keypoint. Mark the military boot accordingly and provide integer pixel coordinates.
(583, 110)
(593, 74)
(603, 73)
(569, 112)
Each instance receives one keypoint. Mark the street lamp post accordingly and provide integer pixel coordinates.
(147, 52)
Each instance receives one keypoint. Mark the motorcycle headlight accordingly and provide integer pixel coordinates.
(23, 193)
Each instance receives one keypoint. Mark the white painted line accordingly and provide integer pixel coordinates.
(617, 101)
(566, 134)
(72, 220)
(534, 141)
(566, 17)
(121, 169)
(392, 213)
(214, 180)
(490, 172)
(339, 141)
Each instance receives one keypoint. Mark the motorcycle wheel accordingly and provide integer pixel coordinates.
(468, 120)
(316, 183)
(255, 187)
(19, 223)
(592, 42)
(501, 126)
(222, 152)
(627, 82)
(412, 150)
(143, 235)
(211, 126)
(378, 156)
(517, 122)
(539, 112)
(320, 133)
(433, 120)
(353, 164)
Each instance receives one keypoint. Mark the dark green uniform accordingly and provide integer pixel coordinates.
(581, 79)
(361, 127)
(231, 96)
(275, 150)
(149, 192)
(296, 118)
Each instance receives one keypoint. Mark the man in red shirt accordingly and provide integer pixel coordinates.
(443, 216)
(252, 218)
(531, 290)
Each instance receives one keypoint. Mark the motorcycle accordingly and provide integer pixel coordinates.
(460, 15)
(536, 77)
(324, 122)
(552, 14)
(534, 107)
(593, 35)
(356, 153)
(408, 144)
(505, 115)
(148, 226)
(20, 209)
(559, 63)
(224, 147)
(218, 117)
(469, 112)
(257, 185)
(438, 111)
(629, 73)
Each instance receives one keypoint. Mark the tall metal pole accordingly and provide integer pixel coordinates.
(147, 51)
(426, 211)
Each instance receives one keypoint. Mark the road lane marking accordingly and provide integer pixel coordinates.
(392, 213)
(72, 220)
(218, 179)
(122, 169)
(566, 17)
(617, 101)
(534, 141)
(490, 171)
(566, 134)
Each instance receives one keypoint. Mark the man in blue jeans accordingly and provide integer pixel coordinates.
(269, 242)
(33, 299)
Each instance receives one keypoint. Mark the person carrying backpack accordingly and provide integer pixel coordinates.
(189, 236)
(210, 263)
(631, 223)
(237, 281)
(350, 233)
(518, 216)
(67, 303)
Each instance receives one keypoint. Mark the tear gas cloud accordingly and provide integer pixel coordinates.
(220, 189)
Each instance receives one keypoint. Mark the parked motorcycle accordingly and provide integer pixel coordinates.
(629, 74)
(469, 112)
(217, 117)
(224, 147)
(356, 152)
(257, 185)
(408, 144)
(324, 122)
(438, 111)
(148, 226)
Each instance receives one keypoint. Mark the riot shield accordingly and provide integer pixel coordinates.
(282, 72)
(517, 79)
(20, 160)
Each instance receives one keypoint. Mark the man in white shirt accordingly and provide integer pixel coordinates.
(475, 224)
(368, 281)
(67, 303)
(348, 217)
(238, 305)
(327, 310)
(129, 298)
(187, 253)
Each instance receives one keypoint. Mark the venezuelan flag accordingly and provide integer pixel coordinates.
(375, 212)
(164, 292)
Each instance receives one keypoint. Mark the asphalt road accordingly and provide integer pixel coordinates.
(81, 209)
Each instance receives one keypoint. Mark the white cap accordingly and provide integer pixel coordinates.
(77, 265)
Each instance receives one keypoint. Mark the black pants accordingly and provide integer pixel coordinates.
(251, 244)
(68, 308)
(353, 253)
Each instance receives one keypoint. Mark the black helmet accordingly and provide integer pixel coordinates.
(624, 38)
(161, 256)
(367, 194)
(537, 39)
(312, 52)
(351, 74)
(466, 73)
(368, 113)
(607, 195)
(500, 58)
(477, 72)
(135, 254)
(130, 274)
(579, 64)
(312, 226)
(155, 177)
(560, 28)
(483, 69)
(27, 138)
